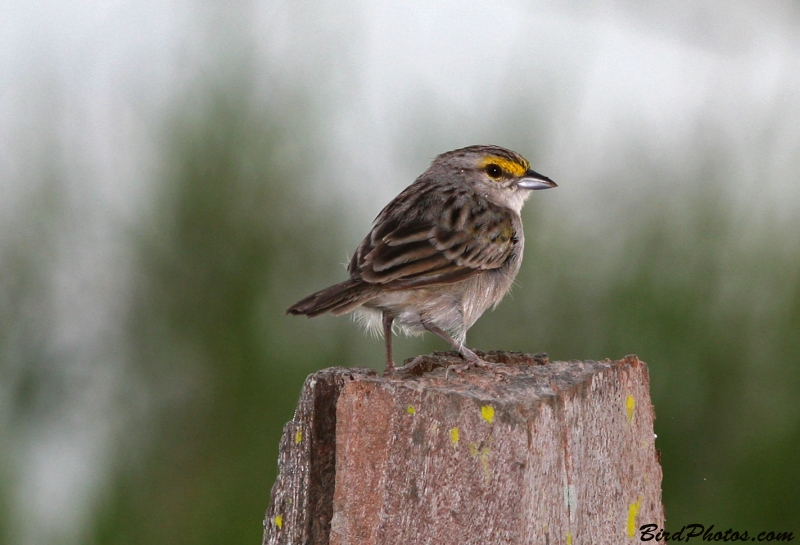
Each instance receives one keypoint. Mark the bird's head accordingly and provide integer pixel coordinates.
(498, 174)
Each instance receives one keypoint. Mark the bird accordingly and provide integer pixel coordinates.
(441, 253)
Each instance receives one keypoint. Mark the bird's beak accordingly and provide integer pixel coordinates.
(534, 180)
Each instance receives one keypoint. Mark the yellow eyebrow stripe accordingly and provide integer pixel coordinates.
(512, 167)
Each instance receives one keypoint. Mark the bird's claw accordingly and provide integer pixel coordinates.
(459, 368)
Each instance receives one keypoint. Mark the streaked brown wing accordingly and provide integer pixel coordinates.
(417, 251)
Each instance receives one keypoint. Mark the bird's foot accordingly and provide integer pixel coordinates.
(473, 360)
(414, 366)
(390, 369)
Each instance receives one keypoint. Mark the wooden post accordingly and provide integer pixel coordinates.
(546, 453)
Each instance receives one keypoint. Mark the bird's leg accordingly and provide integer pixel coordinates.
(388, 318)
(470, 357)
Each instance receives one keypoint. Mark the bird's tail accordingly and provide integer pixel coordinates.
(338, 299)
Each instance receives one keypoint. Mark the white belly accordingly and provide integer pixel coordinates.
(453, 308)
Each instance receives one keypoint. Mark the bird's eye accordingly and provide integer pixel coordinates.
(494, 171)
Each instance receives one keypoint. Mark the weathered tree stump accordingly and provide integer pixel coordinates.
(547, 453)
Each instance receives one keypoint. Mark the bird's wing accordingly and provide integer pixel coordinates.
(411, 250)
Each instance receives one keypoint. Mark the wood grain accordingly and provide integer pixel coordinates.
(562, 452)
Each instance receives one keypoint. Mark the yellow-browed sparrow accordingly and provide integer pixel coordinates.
(442, 252)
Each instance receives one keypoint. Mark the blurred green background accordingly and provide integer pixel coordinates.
(174, 175)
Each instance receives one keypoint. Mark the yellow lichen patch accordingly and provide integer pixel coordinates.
(411, 410)
(487, 412)
(454, 436)
(630, 403)
(512, 167)
(298, 436)
(633, 512)
(278, 520)
(569, 538)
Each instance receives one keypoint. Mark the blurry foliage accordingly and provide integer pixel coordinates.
(26, 294)
(713, 306)
(221, 364)
(31, 380)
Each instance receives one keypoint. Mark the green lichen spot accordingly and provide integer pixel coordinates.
(411, 410)
(298, 436)
(278, 520)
